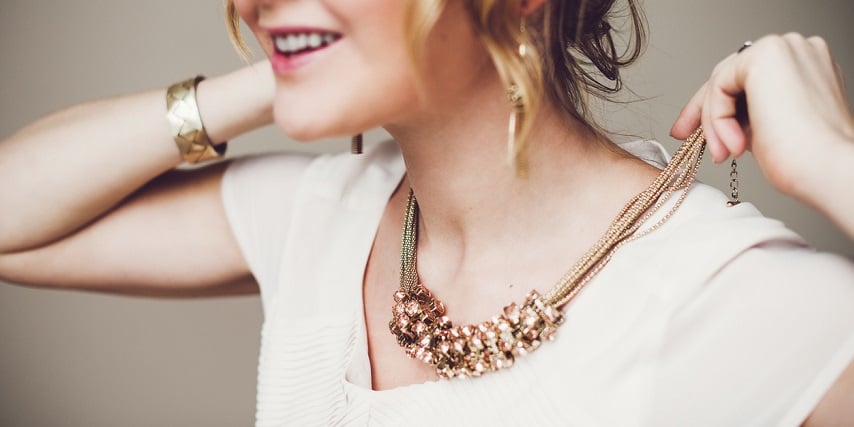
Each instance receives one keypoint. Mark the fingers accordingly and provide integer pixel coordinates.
(719, 117)
(714, 106)
(722, 104)
(689, 118)
(823, 50)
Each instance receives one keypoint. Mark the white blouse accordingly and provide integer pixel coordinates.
(719, 318)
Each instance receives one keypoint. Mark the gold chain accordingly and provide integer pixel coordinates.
(419, 321)
(733, 184)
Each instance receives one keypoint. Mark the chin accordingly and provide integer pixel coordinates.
(304, 129)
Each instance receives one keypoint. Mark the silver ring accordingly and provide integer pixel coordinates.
(746, 45)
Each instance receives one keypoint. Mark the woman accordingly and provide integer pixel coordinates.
(637, 346)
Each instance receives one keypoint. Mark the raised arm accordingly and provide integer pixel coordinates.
(800, 126)
(95, 202)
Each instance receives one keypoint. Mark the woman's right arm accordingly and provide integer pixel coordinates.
(90, 198)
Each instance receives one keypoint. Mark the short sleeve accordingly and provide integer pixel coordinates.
(759, 344)
(258, 193)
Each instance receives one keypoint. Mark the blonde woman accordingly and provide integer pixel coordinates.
(656, 303)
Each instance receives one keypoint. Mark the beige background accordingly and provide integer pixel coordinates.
(73, 359)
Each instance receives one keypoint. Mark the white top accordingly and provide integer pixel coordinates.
(719, 318)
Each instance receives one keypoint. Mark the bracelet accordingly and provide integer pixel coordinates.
(182, 112)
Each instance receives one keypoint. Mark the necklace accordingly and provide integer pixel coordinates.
(422, 329)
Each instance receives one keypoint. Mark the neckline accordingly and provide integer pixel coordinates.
(649, 151)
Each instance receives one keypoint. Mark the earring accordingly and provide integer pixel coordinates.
(356, 144)
(733, 184)
(517, 114)
(523, 48)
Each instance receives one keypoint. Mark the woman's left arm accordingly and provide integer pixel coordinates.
(783, 99)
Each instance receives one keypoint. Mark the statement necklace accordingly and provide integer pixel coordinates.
(422, 329)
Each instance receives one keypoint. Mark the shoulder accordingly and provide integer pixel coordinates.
(740, 240)
(753, 313)
(707, 249)
(356, 181)
(701, 237)
(346, 170)
(280, 204)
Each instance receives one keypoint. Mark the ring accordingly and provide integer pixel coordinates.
(746, 45)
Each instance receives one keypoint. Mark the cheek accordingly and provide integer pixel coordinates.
(247, 10)
(461, 69)
(364, 81)
(341, 99)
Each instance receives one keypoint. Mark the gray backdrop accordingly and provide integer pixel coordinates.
(75, 359)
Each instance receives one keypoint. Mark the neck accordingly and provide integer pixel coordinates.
(469, 195)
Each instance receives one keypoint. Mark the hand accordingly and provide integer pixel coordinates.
(799, 118)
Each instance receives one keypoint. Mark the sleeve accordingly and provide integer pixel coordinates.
(759, 344)
(258, 194)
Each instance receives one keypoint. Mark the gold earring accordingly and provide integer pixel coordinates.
(356, 144)
(517, 114)
(523, 48)
(733, 184)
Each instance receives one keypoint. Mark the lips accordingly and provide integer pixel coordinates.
(296, 47)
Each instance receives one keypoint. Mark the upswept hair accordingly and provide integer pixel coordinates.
(571, 55)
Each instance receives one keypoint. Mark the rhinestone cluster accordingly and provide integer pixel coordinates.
(422, 329)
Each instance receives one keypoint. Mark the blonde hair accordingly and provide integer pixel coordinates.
(571, 53)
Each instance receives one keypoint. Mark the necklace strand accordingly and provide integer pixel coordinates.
(422, 329)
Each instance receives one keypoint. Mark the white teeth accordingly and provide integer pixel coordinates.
(295, 43)
(281, 44)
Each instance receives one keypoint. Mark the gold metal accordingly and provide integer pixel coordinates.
(356, 144)
(422, 329)
(189, 133)
(733, 184)
(517, 115)
(515, 151)
(523, 47)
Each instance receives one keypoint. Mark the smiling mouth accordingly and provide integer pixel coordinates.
(291, 44)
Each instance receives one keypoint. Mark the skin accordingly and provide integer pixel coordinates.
(480, 232)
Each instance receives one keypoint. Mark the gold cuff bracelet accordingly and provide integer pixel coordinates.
(182, 112)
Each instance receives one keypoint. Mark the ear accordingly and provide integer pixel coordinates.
(530, 6)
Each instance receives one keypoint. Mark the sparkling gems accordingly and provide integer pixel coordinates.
(420, 327)
(470, 350)
(412, 308)
(399, 309)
